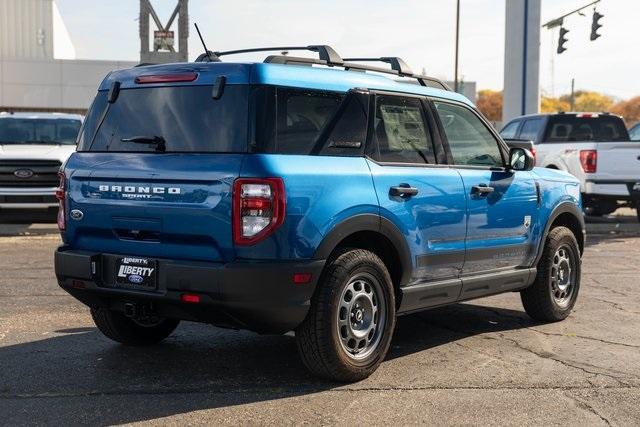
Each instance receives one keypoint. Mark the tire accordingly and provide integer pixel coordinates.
(127, 331)
(354, 300)
(554, 292)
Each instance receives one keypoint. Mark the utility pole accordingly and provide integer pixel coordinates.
(572, 99)
(455, 78)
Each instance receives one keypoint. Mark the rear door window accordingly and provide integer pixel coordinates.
(510, 130)
(530, 129)
(187, 117)
(585, 128)
(401, 132)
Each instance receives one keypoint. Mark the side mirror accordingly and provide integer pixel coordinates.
(521, 159)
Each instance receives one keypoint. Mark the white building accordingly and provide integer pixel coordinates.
(38, 69)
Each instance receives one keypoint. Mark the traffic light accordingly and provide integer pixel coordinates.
(595, 25)
(562, 40)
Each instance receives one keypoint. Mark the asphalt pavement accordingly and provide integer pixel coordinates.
(483, 362)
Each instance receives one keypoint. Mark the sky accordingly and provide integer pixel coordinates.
(422, 32)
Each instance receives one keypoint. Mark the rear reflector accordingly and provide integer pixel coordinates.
(166, 78)
(301, 278)
(190, 298)
(78, 284)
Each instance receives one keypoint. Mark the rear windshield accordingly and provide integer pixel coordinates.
(38, 131)
(572, 128)
(187, 118)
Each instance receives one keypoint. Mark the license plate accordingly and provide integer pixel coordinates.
(140, 273)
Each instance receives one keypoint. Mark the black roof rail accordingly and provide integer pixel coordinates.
(396, 63)
(329, 57)
(325, 53)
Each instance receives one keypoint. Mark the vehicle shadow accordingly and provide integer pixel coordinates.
(200, 367)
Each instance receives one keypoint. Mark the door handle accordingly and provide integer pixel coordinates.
(403, 190)
(481, 189)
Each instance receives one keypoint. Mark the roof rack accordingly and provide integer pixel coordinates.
(396, 63)
(329, 57)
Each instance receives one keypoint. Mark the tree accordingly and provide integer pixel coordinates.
(629, 109)
(489, 102)
(550, 104)
(589, 101)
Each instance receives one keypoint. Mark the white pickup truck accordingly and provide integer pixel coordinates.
(594, 147)
(33, 146)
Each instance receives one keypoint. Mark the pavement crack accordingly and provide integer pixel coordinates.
(584, 337)
(616, 305)
(549, 356)
(294, 389)
(586, 406)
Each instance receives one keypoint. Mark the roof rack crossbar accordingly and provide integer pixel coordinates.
(396, 63)
(325, 53)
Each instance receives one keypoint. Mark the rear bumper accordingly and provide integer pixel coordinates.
(257, 296)
(620, 190)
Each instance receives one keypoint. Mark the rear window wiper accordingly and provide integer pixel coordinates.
(158, 141)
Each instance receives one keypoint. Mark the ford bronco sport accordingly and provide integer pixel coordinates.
(305, 194)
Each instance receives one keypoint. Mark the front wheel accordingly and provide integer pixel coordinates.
(554, 293)
(347, 332)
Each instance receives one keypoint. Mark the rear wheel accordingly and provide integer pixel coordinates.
(554, 293)
(135, 332)
(347, 332)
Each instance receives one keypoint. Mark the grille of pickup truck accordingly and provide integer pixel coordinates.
(29, 173)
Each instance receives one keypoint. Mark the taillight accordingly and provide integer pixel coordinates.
(589, 160)
(61, 196)
(258, 208)
(533, 153)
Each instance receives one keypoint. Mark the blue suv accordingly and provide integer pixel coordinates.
(306, 194)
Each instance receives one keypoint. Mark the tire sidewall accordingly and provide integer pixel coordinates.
(342, 278)
(569, 241)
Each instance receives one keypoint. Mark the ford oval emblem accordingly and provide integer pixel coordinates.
(76, 214)
(136, 278)
(23, 173)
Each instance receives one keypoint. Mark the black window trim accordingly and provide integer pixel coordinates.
(502, 146)
(325, 133)
(372, 150)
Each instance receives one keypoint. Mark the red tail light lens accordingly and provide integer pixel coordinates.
(589, 160)
(258, 208)
(61, 195)
(533, 153)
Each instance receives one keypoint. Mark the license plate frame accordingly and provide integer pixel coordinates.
(138, 273)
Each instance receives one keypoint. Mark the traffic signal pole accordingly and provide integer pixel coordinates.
(559, 22)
